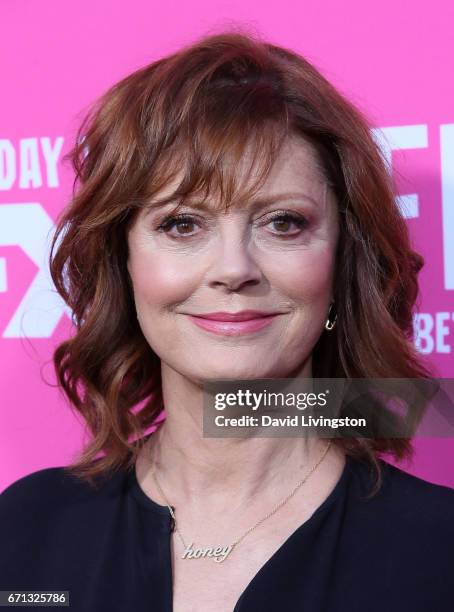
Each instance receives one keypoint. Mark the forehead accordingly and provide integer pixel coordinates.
(296, 169)
(298, 163)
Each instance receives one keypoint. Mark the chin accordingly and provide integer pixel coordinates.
(233, 373)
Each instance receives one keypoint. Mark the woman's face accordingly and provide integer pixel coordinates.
(276, 257)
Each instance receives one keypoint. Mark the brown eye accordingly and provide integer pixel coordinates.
(184, 222)
(185, 226)
(282, 224)
(284, 221)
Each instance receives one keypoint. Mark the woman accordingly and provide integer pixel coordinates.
(233, 219)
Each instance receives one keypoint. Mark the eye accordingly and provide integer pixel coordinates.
(183, 224)
(180, 221)
(284, 220)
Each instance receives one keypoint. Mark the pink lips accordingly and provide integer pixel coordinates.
(233, 324)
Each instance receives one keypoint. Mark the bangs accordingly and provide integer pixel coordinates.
(224, 147)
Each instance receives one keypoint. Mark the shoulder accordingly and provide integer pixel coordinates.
(48, 491)
(35, 496)
(407, 502)
(47, 478)
(405, 487)
(50, 521)
(51, 510)
(48, 483)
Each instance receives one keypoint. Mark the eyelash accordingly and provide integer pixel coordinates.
(168, 222)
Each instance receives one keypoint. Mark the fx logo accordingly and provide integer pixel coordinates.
(38, 313)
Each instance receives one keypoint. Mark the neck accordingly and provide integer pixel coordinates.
(206, 474)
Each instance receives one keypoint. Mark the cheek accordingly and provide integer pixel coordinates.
(159, 280)
(308, 274)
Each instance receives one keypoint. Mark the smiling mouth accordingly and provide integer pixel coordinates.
(233, 328)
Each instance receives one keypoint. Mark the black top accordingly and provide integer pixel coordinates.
(111, 548)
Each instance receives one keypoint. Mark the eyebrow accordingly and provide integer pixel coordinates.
(256, 203)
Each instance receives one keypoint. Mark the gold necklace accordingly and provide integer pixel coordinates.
(220, 553)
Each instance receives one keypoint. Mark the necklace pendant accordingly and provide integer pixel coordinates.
(217, 553)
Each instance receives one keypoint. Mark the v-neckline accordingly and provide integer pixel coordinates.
(141, 496)
(307, 523)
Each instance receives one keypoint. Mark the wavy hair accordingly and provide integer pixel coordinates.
(197, 110)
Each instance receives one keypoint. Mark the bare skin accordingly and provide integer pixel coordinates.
(229, 262)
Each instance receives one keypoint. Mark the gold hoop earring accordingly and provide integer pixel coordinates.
(329, 325)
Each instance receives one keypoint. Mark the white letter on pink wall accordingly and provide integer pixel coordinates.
(51, 157)
(30, 172)
(7, 164)
(402, 137)
(447, 200)
(30, 227)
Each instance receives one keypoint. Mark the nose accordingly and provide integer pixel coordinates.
(233, 264)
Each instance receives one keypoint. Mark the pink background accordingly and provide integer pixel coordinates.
(393, 59)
